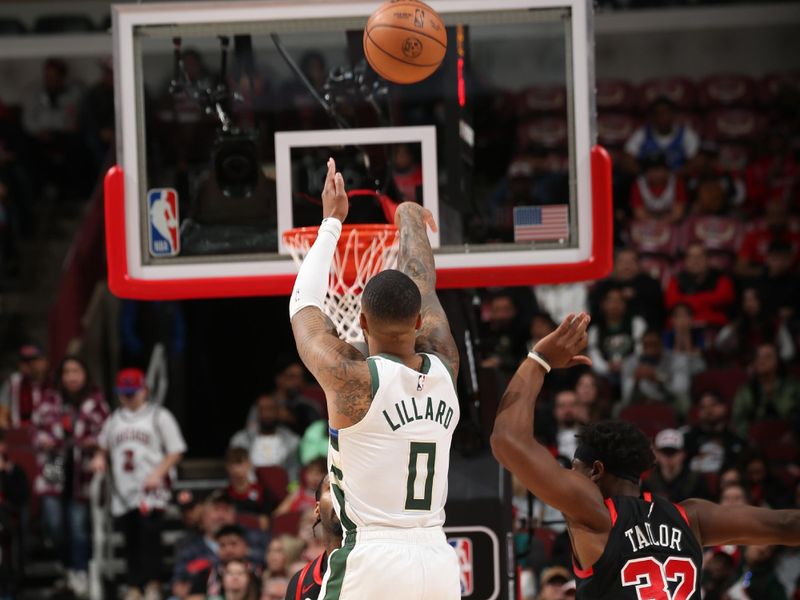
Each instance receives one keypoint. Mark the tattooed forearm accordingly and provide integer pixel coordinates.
(415, 258)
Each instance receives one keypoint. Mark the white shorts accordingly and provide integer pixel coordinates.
(393, 564)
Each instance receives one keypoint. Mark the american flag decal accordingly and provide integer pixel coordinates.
(541, 223)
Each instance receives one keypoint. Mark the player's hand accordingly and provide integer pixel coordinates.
(153, 482)
(412, 207)
(562, 347)
(335, 202)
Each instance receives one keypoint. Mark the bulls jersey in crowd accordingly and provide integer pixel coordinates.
(652, 553)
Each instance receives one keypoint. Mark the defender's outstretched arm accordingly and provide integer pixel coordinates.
(338, 367)
(415, 259)
(518, 451)
(717, 525)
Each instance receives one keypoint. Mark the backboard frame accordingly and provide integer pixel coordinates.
(129, 278)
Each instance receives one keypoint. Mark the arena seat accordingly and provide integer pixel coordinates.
(652, 236)
(775, 438)
(542, 99)
(680, 90)
(547, 537)
(724, 382)
(735, 125)
(721, 237)
(547, 132)
(774, 85)
(288, 524)
(275, 480)
(733, 157)
(726, 89)
(615, 95)
(650, 418)
(614, 129)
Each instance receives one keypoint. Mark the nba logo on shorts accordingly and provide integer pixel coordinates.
(162, 204)
(463, 548)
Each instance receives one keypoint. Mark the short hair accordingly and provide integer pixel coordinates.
(391, 296)
(662, 101)
(318, 491)
(619, 445)
(234, 530)
(236, 455)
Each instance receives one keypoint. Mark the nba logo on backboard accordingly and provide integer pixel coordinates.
(463, 548)
(162, 204)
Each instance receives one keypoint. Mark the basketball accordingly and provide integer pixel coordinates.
(405, 42)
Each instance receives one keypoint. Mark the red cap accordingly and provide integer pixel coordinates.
(130, 381)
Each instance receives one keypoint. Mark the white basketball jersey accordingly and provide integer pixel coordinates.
(136, 443)
(390, 468)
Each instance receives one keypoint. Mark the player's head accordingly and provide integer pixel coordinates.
(390, 309)
(232, 543)
(324, 510)
(612, 451)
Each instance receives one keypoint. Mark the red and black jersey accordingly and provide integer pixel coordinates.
(651, 554)
(307, 583)
(254, 500)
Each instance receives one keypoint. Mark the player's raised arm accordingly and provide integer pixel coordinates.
(717, 525)
(518, 451)
(338, 367)
(416, 260)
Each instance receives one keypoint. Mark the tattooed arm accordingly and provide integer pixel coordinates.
(416, 261)
(338, 367)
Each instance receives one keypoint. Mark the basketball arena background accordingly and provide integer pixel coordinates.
(696, 329)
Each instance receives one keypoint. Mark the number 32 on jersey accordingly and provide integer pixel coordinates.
(652, 578)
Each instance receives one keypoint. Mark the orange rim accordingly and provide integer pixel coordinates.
(366, 234)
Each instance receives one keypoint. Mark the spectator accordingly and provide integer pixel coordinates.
(769, 393)
(23, 389)
(304, 497)
(407, 173)
(683, 335)
(97, 115)
(753, 327)
(560, 300)
(671, 477)
(51, 117)
(281, 553)
(141, 444)
(659, 375)
(314, 443)
(763, 488)
(780, 284)
(642, 293)
(678, 143)
(707, 291)
(755, 246)
(13, 520)
(503, 338)
(593, 396)
(207, 579)
(67, 424)
(253, 503)
(314, 546)
(569, 416)
(274, 588)
(719, 574)
(759, 579)
(614, 335)
(710, 188)
(238, 582)
(730, 476)
(775, 175)
(658, 193)
(551, 583)
(270, 444)
(733, 495)
(199, 553)
(297, 411)
(710, 443)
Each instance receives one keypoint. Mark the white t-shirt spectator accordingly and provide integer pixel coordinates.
(280, 448)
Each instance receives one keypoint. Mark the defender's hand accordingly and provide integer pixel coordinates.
(560, 349)
(412, 207)
(335, 202)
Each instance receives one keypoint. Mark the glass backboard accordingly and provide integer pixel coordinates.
(228, 112)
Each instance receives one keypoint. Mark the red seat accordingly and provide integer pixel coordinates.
(548, 132)
(721, 236)
(735, 125)
(548, 538)
(724, 382)
(680, 90)
(692, 120)
(275, 480)
(288, 524)
(727, 89)
(20, 436)
(733, 157)
(615, 95)
(317, 394)
(248, 521)
(775, 439)
(542, 99)
(650, 418)
(652, 236)
(614, 129)
(772, 86)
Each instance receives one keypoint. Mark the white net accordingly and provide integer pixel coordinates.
(363, 251)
